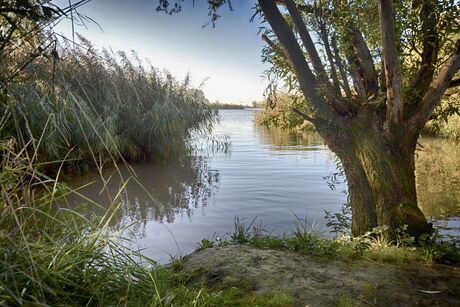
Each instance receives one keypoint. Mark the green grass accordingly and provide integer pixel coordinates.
(376, 245)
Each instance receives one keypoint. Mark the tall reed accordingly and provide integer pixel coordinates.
(92, 106)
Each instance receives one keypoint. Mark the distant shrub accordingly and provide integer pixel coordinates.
(229, 106)
(281, 114)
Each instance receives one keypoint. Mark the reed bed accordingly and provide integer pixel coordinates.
(98, 107)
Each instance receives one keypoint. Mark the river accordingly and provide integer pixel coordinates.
(276, 177)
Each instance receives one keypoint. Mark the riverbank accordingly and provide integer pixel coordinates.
(287, 278)
(308, 269)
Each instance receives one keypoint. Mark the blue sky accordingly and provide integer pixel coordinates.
(229, 54)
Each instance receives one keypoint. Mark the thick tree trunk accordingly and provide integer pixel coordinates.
(380, 173)
(375, 144)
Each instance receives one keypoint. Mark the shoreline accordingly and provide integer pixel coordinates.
(288, 278)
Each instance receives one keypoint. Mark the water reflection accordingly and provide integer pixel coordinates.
(151, 192)
(284, 140)
(438, 177)
(437, 166)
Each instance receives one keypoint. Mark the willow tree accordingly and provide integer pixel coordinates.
(372, 73)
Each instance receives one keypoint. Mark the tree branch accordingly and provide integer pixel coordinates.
(307, 42)
(428, 18)
(343, 74)
(356, 74)
(327, 48)
(391, 63)
(304, 115)
(365, 63)
(269, 42)
(437, 88)
(307, 81)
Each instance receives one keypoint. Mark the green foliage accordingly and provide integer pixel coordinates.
(242, 232)
(339, 222)
(206, 243)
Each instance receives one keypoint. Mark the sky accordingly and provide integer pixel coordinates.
(227, 57)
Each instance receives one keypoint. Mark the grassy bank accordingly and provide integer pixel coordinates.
(305, 268)
(288, 278)
(378, 245)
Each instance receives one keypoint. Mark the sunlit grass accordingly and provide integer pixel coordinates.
(377, 245)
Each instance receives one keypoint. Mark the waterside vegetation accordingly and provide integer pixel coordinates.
(282, 113)
(69, 108)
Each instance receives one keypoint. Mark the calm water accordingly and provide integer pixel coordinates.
(273, 175)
